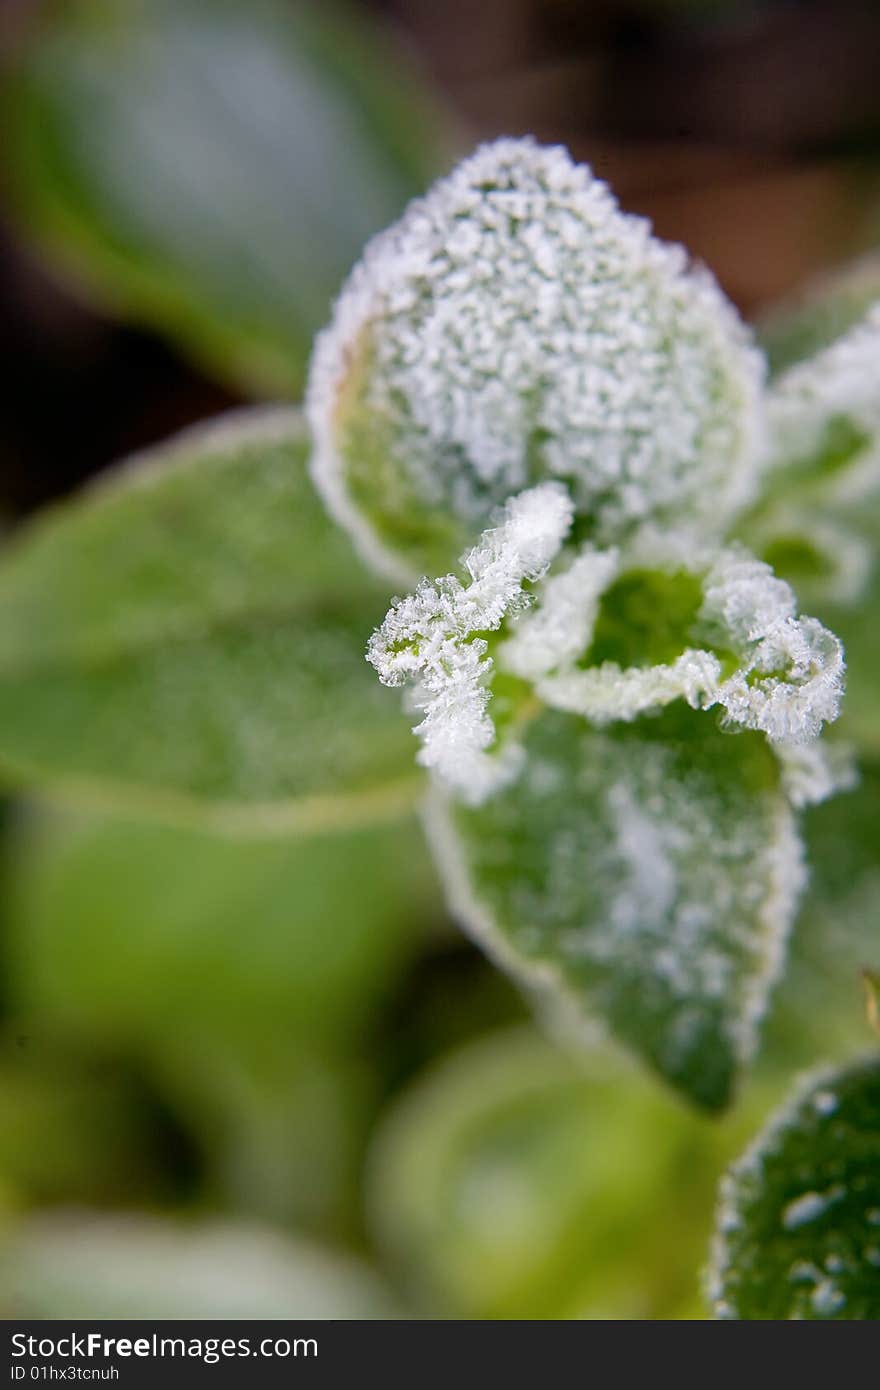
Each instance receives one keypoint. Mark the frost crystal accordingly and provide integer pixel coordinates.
(787, 680)
(605, 693)
(811, 772)
(430, 638)
(790, 681)
(810, 1206)
(559, 631)
(812, 399)
(514, 324)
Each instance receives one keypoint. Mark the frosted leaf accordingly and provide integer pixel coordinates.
(826, 308)
(516, 324)
(645, 876)
(812, 772)
(430, 638)
(789, 675)
(832, 562)
(790, 681)
(605, 693)
(825, 413)
(558, 631)
(793, 1233)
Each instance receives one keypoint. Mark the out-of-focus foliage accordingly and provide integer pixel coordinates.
(171, 639)
(214, 168)
(796, 330)
(244, 974)
(73, 1128)
(512, 1181)
(88, 1266)
(818, 1009)
(133, 930)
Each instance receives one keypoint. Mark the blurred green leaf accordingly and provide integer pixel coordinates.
(135, 932)
(820, 1005)
(72, 1129)
(645, 877)
(188, 637)
(92, 1266)
(801, 327)
(856, 624)
(511, 1181)
(282, 1134)
(245, 975)
(799, 1219)
(213, 168)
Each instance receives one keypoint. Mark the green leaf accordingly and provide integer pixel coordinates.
(820, 1007)
(856, 625)
(188, 637)
(213, 169)
(815, 318)
(799, 1219)
(72, 1130)
(252, 941)
(823, 420)
(95, 1266)
(830, 553)
(244, 975)
(645, 876)
(511, 1181)
(514, 325)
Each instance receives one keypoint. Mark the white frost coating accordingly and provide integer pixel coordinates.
(810, 1206)
(609, 692)
(560, 628)
(744, 596)
(670, 902)
(790, 681)
(516, 323)
(815, 1091)
(796, 682)
(812, 772)
(429, 638)
(827, 1298)
(661, 880)
(825, 1102)
(840, 383)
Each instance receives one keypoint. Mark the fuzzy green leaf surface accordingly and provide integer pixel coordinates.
(170, 637)
(799, 1219)
(644, 876)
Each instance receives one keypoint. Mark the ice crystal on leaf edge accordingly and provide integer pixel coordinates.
(787, 683)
